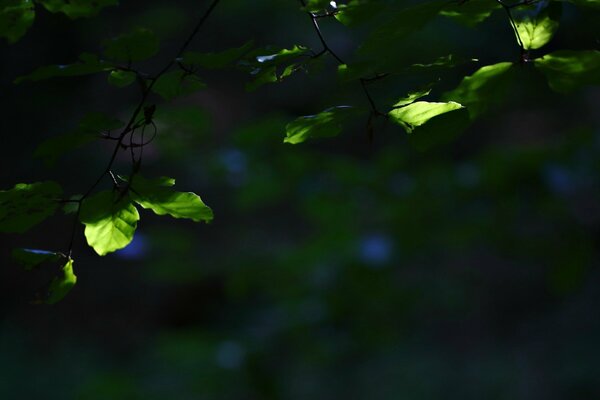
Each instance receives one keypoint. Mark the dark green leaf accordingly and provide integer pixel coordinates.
(269, 66)
(77, 8)
(471, 12)
(90, 128)
(398, 26)
(482, 89)
(567, 70)
(16, 16)
(440, 130)
(217, 60)
(324, 124)
(120, 78)
(138, 45)
(110, 221)
(157, 196)
(30, 258)
(177, 83)
(61, 285)
(27, 205)
(89, 64)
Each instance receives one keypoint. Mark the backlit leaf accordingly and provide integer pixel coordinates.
(324, 124)
(156, 195)
(567, 70)
(418, 113)
(110, 221)
(62, 284)
(537, 24)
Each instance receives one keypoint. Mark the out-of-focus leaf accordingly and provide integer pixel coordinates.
(89, 129)
(478, 91)
(88, 64)
(110, 221)
(16, 16)
(177, 83)
(273, 65)
(324, 124)
(157, 196)
(77, 8)
(567, 70)
(399, 25)
(357, 12)
(471, 12)
(120, 78)
(587, 3)
(30, 258)
(221, 59)
(27, 205)
(418, 113)
(61, 285)
(138, 45)
(537, 24)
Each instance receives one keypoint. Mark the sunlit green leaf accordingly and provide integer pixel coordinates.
(478, 91)
(77, 8)
(417, 114)
(16, 16)
(27, 205)
(30, 258)
(177, 83)
(324, 124)
(157, 196)
(110, 221)
(88, 64)
(537, 26)
(61, 285)
(120, 78)
(567, 70)
(221, 59)
(411, 97)
(138, 45)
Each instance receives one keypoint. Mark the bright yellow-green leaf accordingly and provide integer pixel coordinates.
(110, 221)
(417, 114)
(157, 196)
(536, 27)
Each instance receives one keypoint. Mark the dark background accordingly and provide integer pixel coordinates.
(337, 268)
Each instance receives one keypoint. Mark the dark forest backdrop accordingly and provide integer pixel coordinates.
(346, 267)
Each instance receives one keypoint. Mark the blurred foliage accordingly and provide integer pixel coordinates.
(354, 266)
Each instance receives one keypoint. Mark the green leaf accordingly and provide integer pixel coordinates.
(417, 114)
(567, 70)
(31, 258)
(537, 25)
(177, 83)
(26, 205)
(89, 64)
(221, 59)
(482, 89)
(411, 97)
(110, 221)
(327, 123)
(120, 78)
(157, 196)
(61, 285)
(138, 45)
(77, 8)
(471, 12)
(89, 130)
(16, 16)
(273, 65)
(398, 26)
